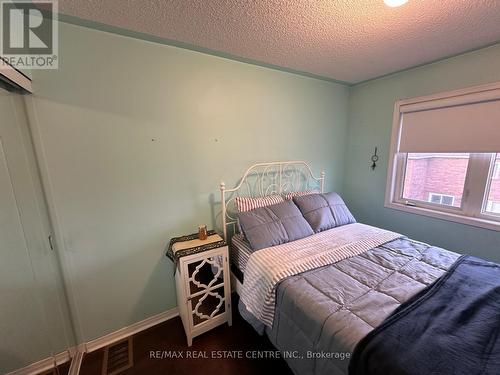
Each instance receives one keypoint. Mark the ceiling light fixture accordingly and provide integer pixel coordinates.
(395, 3)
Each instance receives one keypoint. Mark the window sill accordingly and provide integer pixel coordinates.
(474, 221)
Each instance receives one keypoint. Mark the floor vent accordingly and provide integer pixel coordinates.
(118, 357)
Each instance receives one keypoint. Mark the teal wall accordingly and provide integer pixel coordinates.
(371, 107)
(136, 136)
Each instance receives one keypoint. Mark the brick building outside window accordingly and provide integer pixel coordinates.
(440, 179)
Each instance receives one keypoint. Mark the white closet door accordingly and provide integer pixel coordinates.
(29, 300)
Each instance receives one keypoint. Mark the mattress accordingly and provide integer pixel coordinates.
(240, 252)
(321, 314)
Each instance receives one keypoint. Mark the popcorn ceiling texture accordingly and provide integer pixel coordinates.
(347, 40)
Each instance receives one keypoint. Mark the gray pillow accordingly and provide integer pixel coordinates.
(324, 211)
(274, 225)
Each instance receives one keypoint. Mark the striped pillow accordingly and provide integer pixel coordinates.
(292, 194)
(244, 204)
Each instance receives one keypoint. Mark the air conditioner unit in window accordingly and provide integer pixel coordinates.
(12, 79)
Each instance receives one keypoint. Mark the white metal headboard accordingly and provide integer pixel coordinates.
(265, 179)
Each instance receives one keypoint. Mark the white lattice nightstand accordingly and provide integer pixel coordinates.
(202, 282)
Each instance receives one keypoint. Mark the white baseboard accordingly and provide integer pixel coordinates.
(130, 330)
(78, 351)
(74, 350)
(43, 365)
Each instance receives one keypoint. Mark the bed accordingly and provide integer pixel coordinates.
(239, 254)
(323, 298)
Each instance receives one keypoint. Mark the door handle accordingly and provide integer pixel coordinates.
(50, 242)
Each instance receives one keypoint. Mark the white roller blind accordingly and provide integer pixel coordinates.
(449, 125)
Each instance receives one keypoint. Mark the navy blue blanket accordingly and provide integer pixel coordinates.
(451, 327)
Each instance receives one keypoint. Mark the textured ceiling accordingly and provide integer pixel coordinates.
(347, 40)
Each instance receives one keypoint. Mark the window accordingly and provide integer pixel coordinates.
(493, 200)
(445, 156)
(496, 170)
(446, 200)
(435, 178)
(493, 207)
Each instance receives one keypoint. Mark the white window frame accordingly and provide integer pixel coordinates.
(476, 187)
(496, 171)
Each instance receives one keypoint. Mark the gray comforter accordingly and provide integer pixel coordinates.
(322, 314)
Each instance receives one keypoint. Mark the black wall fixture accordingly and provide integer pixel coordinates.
(374, 159)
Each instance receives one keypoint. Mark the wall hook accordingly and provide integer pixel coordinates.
(374, 159)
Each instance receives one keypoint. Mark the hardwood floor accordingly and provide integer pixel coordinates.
(169, 337)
